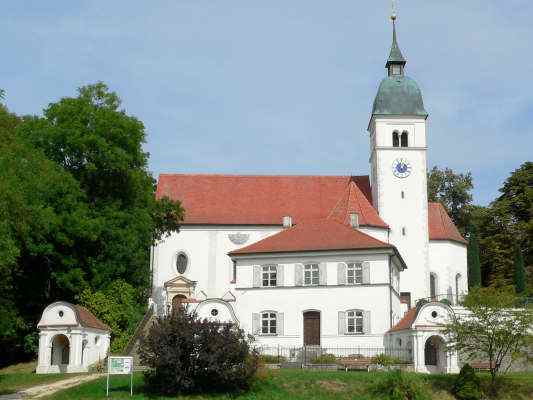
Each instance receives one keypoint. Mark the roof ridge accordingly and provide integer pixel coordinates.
(341, 199)
(260, 175)
(358, 203)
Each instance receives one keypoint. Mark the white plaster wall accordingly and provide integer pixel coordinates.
(446, 260)
(329, 301)
(209, 263)
(411, 211)
(207, 248)
(50, 316)
(76, 336)
(293, 301)
(377, 233)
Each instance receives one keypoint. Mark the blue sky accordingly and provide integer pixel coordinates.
(284, 87)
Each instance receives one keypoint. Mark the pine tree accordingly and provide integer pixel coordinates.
(474, 268)
(519, 272)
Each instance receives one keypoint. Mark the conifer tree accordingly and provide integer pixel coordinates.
(519, 272)
(474, 268)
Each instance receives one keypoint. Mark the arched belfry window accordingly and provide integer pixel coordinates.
(395, 139)
(405, 139)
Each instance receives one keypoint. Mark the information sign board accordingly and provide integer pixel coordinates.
(119, 365)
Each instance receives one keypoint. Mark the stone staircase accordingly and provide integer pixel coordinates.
(133, 344)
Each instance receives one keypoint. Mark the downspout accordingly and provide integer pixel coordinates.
(390, 291)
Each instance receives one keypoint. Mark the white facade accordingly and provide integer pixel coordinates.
(65, 344)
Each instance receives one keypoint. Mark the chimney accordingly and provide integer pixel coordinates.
(354, 220)
(287, 221)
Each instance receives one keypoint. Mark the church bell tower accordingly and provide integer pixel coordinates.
(398, 149)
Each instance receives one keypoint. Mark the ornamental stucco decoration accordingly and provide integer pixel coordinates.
(238, 238)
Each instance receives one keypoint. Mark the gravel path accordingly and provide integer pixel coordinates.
(37, 392)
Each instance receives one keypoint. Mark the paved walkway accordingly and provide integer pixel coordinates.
(37, 392)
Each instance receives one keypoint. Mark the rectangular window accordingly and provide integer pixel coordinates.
(268, 323)
(269, 275)
(354, 321)
(311, 275)
(354, 273)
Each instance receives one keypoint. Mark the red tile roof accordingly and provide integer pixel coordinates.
(319, 235)
(406, 322)
(264, 200)
(441, 226)
(88, 320)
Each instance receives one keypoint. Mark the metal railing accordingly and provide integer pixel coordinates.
(328, 357)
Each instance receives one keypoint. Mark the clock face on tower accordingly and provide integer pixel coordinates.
(401, 168)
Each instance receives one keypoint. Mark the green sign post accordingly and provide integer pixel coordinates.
(118, 365)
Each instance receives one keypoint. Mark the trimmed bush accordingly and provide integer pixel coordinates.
(386, 360)
(271, 359)
(398, 385)
(187, 355)
(467, 384)
(325, 359)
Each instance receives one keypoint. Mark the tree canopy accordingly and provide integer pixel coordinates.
(77, 207)
(491, 328)
(495, 229)
(453, 190)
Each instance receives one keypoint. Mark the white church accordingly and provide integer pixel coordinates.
(336, 264)
(324, 261)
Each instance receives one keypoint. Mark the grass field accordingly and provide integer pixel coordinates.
(298, 385)
(22, 376)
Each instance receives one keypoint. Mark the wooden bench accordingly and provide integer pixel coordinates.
(481, 365)
(356, 362)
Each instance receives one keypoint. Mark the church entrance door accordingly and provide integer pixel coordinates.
(311, 328)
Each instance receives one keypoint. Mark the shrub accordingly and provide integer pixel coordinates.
(467, 384)
(185, 354)
(386, 360)
(446, 301)
(400, 386)
(325, 359)
(271, 359)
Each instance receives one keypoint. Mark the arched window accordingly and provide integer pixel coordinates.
(430, 351)
(405, 140)
(395, 139)
(433, 286)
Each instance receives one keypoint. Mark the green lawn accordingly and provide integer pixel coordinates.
(298, 385)
(22, 376)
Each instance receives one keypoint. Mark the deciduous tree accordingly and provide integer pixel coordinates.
(493, 328)
(474, 266)
(453, 190)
